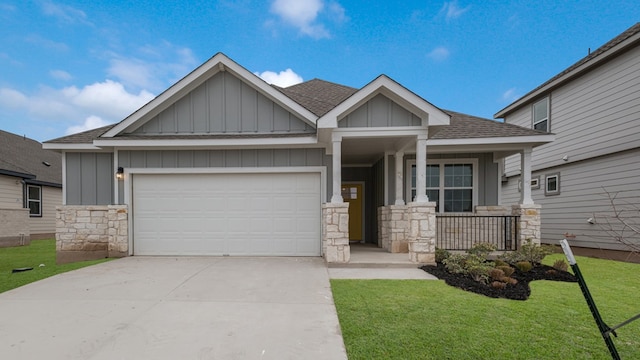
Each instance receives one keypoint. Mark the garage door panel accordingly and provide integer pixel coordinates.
(235, 214)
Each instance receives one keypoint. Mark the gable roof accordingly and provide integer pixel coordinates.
(25, 158)
(629, 39)
(217, 63)
(465, 126)
(393, 90)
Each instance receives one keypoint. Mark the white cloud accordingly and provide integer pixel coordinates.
(510, 95)
(60, 75)
(303, 14)
(283, 78)
(90, 123)
(155, 68)
(451, 10)
(109, 101)
(440, 53)
(65, 13)
(46, 43)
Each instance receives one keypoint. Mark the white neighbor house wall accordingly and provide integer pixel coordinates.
(596, 119)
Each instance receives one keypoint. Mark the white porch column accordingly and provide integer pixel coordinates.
(399, 178)
(337, 171)
(421, 170)
(525, 165)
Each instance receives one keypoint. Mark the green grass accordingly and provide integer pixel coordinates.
(416, 319)
(39, 252)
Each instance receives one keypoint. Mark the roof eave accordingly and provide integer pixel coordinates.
(587, 66)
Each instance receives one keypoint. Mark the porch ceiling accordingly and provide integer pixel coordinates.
(366, 151)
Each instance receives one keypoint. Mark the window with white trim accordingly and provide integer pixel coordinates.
(34, 200)
(552, 184)
(451, 183)
(541, 115)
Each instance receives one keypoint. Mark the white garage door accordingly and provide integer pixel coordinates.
(260, 214)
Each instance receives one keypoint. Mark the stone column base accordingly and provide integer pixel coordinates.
(392, 222)
(529, 222)
(422, 232)
(335, 232)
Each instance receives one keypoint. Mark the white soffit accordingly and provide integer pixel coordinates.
(217, 63)
(394, 91)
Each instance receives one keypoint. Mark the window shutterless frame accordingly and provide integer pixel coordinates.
(34, 200)
(540, 115)
(552, 184)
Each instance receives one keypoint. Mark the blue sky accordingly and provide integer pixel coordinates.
(67, 66)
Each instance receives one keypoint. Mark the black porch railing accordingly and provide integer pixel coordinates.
(462, 231)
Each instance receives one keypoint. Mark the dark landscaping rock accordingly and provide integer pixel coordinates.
(519, 291)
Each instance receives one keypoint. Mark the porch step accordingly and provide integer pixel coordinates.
(375, 265)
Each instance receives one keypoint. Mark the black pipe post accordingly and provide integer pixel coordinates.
(604, 329)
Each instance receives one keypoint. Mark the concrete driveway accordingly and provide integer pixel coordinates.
(176, 308)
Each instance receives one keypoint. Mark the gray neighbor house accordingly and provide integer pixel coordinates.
(30, 190)
(222, 163)
(593, 108)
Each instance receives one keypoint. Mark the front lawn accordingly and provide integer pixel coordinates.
(418, 319)
(39, 252)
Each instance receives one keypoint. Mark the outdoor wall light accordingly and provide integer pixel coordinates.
(120, 173)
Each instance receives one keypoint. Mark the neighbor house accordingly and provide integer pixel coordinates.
(30, 190)
(593, 108)
(222, 163)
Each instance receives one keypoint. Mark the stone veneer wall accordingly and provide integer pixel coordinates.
(422, 232)
(91, 232)
(529, 222)
(335, 232)
(14, 227)
(392, 228)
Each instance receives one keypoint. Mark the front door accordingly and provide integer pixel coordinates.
(353, 194)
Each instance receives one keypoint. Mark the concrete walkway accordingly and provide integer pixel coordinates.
(176, 308)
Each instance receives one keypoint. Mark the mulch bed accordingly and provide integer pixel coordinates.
(520, 291)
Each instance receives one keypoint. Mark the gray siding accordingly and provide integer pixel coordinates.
(593, 115)
(226, 158)
(11, 193)
(380, 111)
(224, 104)
(90, 178)
(582, 195)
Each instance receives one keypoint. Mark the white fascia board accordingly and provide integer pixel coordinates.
(391, 89)
(70, 147)
(197, 77)
(520, 140)
(378, 132)
(206, 143)
(566, 77)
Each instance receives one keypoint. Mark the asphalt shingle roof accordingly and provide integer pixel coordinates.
(19, 154)
(319, 97)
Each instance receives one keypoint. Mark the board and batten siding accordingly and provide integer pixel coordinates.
(11, 194)
(46, 224)
(583, 195)
(595, 114)
(245, 158)
(380, 111)
(224, 104)
(90, 178)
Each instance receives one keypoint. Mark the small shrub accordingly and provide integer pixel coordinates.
(455, 264)
(561, 265)
(482, 249)
(511, 281)
(551, 272)
(496, 274)
(498, 285)
(478, 268)
(441, 255)
(506, 269)
(524, 266)
(500, 263)
(529, 251)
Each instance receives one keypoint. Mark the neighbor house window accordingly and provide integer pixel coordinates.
(451, 184)
(541, 115)
(552, 184)
(34, 200)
